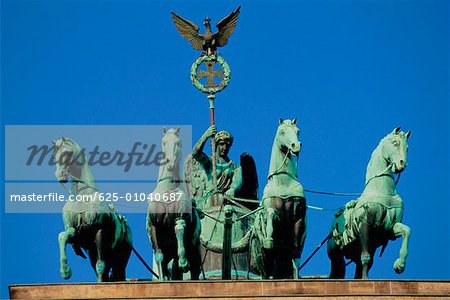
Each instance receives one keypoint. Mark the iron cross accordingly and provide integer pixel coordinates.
(210, 73)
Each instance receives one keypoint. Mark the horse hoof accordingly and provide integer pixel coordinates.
(159, 257)
(399, 267)
(268, 243)
(100, 267)
(183, 265)
(66, 272)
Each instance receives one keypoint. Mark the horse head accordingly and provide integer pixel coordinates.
(66, 154)
(287, 137)
(394, 148)
(171, 147)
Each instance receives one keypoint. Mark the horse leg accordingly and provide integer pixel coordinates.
(195, 257)
(337, 260)
(92, 253)
(118, 274)
(195, 267)
(283, 267)
(195, 261)
(165, 273)
(177, 273)
(162, 262)
(268, 240)
(159, 258)
(124, 262)
(180, 226)
(359, 269)
(101, 268)
(405, 232)
(63, 238)
(119, 262)
(157, 252)
(299, 238)
(366, 258)
(268, 263)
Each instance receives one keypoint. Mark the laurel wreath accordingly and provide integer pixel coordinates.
(210, 89)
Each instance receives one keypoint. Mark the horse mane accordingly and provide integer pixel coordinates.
(377, 152)
(77, 151)
(388, 138)
(69, 142)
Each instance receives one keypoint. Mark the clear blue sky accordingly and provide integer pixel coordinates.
(350, 71)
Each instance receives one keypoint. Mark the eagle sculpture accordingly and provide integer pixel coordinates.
(209, 41)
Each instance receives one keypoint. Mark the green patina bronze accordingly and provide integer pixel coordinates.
(89, 223)
(173, 227)
(280, 228)
(373, 219)
(214, 181)
(224, 73)
(233, 180)
(276, 233)
(218, 223)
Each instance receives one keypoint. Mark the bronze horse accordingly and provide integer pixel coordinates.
(89, 223)
(173, 225)
(280, 228)
(375, 218)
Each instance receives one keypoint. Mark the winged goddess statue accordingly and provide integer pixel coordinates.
(209, 41)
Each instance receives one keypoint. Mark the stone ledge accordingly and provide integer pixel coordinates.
(242, 289)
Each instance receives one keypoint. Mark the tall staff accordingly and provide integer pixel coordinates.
(212, 121)
(216, 66)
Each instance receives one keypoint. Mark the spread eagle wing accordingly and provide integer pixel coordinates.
(189, 31)
(226, 27)
(249, 188)
(195, 180)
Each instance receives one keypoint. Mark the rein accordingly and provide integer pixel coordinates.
(383, 173)
(277, 171)
(365, 185)
(329, 236)
(66, 172)
(170, 178)
(78, 180)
